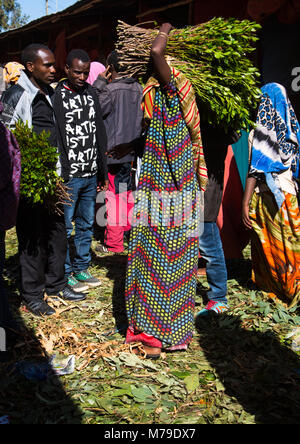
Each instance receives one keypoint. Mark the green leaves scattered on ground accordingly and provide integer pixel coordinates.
(240, 368)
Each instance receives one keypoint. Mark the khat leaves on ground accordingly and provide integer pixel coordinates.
(241, 368)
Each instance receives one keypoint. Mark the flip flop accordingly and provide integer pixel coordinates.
(141, 351)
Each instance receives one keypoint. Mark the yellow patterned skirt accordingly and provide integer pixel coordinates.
(276, 247)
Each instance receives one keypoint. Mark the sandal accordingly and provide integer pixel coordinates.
(152, 352)
(147, 346)
(146, 351)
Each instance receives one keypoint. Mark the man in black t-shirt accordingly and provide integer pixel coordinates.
(41, 234)
(82, 144)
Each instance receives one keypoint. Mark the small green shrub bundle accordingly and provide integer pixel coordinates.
(40, 183)
(214, 56)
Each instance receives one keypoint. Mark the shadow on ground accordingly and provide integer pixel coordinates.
(258, 371)
(42, 399)
(116, 271)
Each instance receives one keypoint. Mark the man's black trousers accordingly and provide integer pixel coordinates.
(42, 251)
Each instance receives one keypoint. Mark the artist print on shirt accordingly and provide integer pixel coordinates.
(80, 124)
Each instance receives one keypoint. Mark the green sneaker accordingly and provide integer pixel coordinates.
(77, 286)
(86, 278)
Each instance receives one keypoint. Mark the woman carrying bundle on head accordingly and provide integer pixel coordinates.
(163, 249)
(272, 188)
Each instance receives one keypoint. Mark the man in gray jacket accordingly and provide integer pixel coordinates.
(42, 235)
(120, 99)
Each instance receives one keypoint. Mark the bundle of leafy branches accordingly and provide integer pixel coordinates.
(214, 56)
(40, 183)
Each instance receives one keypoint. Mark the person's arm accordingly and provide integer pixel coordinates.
(104, 96)
(102, 145)
(162, 69)
(122, 150)
(250, 186)
(12, 109)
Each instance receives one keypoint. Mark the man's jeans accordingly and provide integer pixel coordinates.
(211, 250)
(83, 193)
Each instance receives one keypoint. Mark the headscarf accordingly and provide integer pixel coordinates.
(276, 140)
(191, 116)
(96, 69)
(12, 72)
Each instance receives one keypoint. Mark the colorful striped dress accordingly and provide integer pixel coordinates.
(276, 247)
(163, 249)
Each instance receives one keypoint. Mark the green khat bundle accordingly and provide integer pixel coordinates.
(40, 183)
(214, 56)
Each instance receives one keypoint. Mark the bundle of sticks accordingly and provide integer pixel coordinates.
(60, 197)
(214, 56)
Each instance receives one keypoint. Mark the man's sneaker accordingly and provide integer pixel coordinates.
(213, 307)
(77, 286)
(40, 308)
(101, 249)
(87, 278)
(69, 295)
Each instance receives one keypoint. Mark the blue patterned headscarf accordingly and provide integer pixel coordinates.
(276, 139)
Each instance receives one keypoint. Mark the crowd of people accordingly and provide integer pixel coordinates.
(115, 137)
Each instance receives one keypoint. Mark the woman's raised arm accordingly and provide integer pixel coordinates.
(161, 67)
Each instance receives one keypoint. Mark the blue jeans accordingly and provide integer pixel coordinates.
(211, 249)
(83, 193)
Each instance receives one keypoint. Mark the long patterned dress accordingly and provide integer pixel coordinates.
(163, 251)
(274, 209)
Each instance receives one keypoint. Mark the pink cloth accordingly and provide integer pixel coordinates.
(119, 208)
(96, 69)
